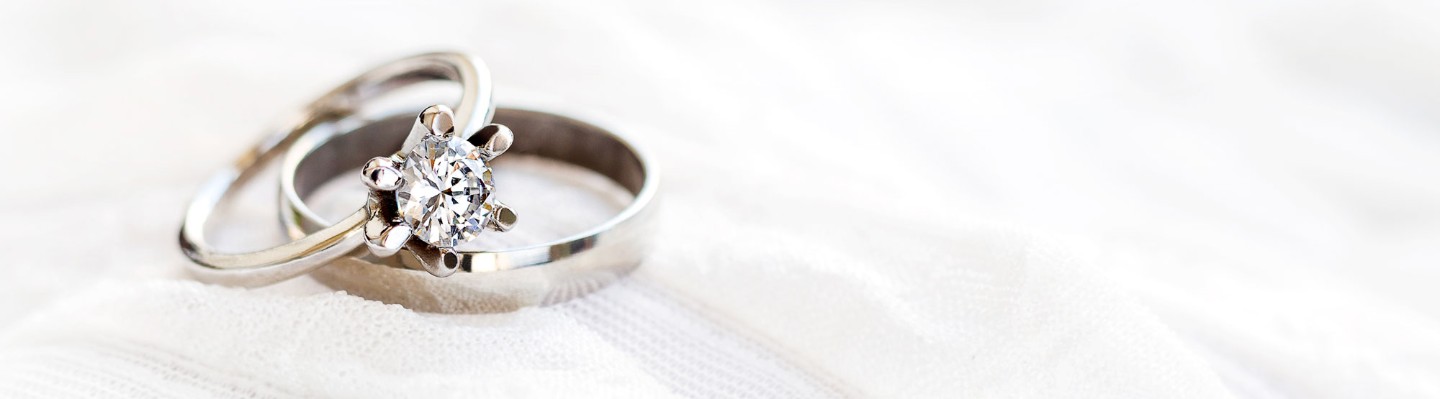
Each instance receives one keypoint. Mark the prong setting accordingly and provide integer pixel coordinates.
(502, 218)
(436, 195)
(382, 173)
(440, 262)
(385, 240)
(437, 120)
(500, 140)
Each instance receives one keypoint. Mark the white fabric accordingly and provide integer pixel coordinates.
(987, 199)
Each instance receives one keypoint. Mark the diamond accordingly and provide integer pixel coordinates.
(446, 185)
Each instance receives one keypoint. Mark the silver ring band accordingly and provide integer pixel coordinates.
(573, 265)
(338, 109)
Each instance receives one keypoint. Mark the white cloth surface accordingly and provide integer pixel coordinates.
(879, 199)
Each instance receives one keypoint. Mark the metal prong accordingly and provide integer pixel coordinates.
(440, 262)
(435, 119)
(502, 218)
(450, 260)
(500, 139)
(382, 173)
(384, 240)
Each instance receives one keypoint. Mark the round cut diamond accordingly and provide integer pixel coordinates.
(446, 185)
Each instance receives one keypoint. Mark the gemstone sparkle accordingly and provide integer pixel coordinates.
(443, 197)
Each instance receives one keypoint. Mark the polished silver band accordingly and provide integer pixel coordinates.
(573, 265)
(338, 110)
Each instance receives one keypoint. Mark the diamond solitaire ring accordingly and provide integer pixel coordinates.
(340, 109)
(431, 194)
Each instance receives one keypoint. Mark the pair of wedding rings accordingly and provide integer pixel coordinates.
(431, 196)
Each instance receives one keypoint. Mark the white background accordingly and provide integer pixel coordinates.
(922, 199)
